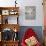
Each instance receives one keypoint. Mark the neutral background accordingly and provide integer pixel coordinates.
(22, 3)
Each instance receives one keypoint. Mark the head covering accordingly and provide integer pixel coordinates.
(29, 33)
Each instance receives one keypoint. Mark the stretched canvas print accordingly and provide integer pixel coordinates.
(30, 12)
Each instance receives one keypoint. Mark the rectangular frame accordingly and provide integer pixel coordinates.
(5, 12)
(30, 12)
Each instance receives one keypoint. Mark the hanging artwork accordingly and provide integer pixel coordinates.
(5, 12)
(30, 12)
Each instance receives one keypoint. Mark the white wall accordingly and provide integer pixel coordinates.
(22, 3)
(39, 13)
(7, 3)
